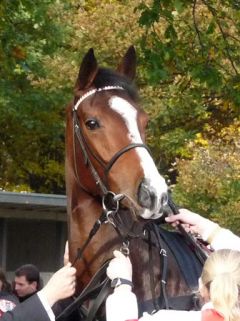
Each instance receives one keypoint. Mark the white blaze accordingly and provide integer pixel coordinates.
(156, 181)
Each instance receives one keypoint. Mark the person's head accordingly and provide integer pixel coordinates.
(220, 283)
(27, 280)
(4, 284)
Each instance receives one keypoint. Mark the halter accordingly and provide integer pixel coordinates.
(87, 151)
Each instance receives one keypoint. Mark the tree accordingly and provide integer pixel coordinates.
(191, 57)
(209, 183)
(31, 123)
(41, 47)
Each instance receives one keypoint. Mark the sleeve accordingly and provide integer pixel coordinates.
(225, 239)
(30, 310)
(172, 315)
(46, 306)
(121, 305)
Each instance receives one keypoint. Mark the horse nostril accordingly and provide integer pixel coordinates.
(146, 197)
(164, 199)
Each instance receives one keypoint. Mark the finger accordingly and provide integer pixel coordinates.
(171, 219)
(118, 254)
(66, 254)
(66, 247)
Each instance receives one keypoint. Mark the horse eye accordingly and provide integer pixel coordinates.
(92, 124)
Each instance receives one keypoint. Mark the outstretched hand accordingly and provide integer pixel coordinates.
(120, 267)
(192, 222)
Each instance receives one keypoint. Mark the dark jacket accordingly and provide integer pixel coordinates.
(8, 301)
(30, 310)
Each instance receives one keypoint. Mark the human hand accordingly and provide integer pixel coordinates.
(61, 285)
(192, 222)
(120, 267)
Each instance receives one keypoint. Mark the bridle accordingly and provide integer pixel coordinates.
(110, 203)
(88, 152)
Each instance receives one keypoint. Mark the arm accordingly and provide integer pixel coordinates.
(170, 315)
(121, 305)
(38, 307)
(217, 237)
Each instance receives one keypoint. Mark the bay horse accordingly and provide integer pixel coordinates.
(107, 162)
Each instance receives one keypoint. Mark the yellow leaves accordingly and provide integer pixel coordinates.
(225, 105)
(200, 140)
(211, 53)
(18, 69)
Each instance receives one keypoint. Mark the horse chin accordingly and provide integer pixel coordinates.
(149, 215)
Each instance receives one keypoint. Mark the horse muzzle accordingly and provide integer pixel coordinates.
(151, 201)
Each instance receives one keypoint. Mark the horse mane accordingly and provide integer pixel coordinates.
(108, 77)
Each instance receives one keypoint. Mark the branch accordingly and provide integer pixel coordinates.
(213, 12)
(196, 26)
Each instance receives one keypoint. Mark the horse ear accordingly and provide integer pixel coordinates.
(128, 64)
(87, 72)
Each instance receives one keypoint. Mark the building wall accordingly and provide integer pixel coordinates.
(40, 242)
(33, 229)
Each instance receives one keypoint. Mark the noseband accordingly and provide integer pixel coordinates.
(87, 151)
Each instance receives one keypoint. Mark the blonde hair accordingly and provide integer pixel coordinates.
(221, 276)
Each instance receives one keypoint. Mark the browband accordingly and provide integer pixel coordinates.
(93, 91)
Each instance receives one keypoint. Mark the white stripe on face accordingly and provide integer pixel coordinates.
(151, 175)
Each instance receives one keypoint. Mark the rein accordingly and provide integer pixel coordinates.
(98, 288)
(107, 216)
(201, 255)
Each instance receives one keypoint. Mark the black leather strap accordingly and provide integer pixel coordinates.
(103, 294)
(90, 291)
(119, 281)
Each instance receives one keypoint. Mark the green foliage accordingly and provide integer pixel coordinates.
(209, 183)
(31, 123)
(190, 55)
(42, 44)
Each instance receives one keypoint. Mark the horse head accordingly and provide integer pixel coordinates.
(106, 139)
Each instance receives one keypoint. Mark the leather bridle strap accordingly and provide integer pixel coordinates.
(103, 294)
(121, 152)
(92, 233)
(89, 291)
(164, 260)
(87, 161)
(86, 151)
(152, 227)
(201, 255)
